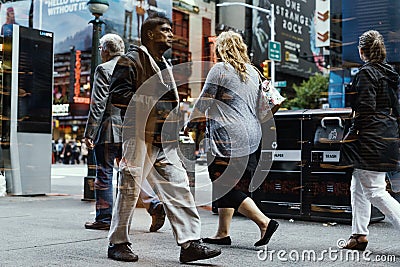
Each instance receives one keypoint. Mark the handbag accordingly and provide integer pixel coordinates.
(139, 8)
(329, 133)
(269, 100)
(273, 96)
(349, 150)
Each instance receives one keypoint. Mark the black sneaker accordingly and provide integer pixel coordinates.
(97, 226)
(122, 252)
(197, 251)
(157, 218)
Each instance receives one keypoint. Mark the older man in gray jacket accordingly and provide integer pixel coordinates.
(103, 134)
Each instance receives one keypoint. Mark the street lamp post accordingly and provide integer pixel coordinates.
(272, 17)
(97, 8)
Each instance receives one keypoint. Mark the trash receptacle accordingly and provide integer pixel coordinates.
(281, 193)
(302, 181)
(326, 189)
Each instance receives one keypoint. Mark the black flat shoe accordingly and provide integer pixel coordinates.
(219, 241)
(354, 244)
(97, 226)
(272, 226)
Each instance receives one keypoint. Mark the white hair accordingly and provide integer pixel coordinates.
(112, 43)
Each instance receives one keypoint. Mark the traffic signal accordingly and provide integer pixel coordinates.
(265, 66)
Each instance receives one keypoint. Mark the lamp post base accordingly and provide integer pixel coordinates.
(89, 179)
(88, 188)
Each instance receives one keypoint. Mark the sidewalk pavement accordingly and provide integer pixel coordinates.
(49, 231)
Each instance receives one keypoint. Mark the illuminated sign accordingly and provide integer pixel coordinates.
(81, 100)
(77, 85)
(61, 110)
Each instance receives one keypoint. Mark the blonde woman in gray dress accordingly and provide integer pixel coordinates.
(229, 100)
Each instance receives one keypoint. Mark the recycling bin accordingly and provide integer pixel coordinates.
(326, 189)
(303, 180)
(280, 195)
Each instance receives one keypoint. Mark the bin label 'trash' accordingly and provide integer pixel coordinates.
(325, 156)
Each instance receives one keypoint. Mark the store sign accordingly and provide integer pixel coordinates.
(322, 23)
(81, 100)
(77, 84)
(61, 110)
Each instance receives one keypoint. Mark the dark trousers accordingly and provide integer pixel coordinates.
(105, 154)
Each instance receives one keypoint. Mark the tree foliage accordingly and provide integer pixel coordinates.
(309, 93)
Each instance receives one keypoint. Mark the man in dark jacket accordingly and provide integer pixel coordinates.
(143, 86)
(103, 134)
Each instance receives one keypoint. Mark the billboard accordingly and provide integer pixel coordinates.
(357, 19)
(14, 13)
(68, 19)
(295, 30)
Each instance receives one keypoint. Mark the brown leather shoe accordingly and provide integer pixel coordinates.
(157, 218)
(122, 252)
(197, 251)
(97, 226)
(355, 244)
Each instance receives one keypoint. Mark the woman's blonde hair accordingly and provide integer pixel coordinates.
(232, 49)
(372, 44)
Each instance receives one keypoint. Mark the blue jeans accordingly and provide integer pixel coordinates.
(105, 154)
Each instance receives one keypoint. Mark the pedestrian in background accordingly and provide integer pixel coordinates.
(59, 149)
(103, 134)
(230, 98)
(67, 152)
(54, 152)
(144, 88)
(84, 151)
(76, 151)
(373, 138)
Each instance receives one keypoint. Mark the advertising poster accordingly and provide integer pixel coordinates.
(357, 19)
(14, 13)
(69, 19)
(295, 30)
